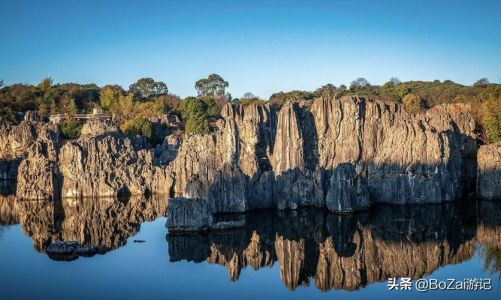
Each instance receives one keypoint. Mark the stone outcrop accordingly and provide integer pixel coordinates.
(96, 127)
(108, 165)
(489, 172)
(344, 154)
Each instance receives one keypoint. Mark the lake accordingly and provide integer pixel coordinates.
(123, 250)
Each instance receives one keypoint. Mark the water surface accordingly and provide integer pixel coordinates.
(308, 253)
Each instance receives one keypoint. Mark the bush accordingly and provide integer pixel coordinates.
(413, 103)
(138, 126)
(71, 129)
(491, 118)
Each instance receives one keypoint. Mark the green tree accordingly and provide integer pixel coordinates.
(138, 126)
(108, 97)
(72, 107)
(45, 84)
(146, 88)
(213, 85)
(123, 109)
(195, 113)
(71, 129)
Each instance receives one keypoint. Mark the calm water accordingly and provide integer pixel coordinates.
(306, 254)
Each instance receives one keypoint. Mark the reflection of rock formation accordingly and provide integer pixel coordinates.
(338, 251)
(489, 234)
(102, 223)
(8, 210)
(489, 224)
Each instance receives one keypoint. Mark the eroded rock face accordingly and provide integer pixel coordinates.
(489, 172)
(298, 156)
(344, 154)
(95, 127)
(108, 165)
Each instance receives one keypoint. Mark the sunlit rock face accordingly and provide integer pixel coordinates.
(345, 154)
(108, 165)
(28, 154)
(98, 225)
(489, 172)
(337, 251)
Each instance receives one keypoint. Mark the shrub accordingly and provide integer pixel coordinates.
(413, 103)
(491, 118)
(71, 129)
(138, 126)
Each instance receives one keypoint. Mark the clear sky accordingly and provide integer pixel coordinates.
(258, 46)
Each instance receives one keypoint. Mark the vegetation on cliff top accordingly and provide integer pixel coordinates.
(148, 98)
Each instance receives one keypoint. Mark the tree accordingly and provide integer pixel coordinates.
(147, 87)
(214, 85)
(45, 84)
(413, 103)
(359, 83)
(326, 92)
(108, 96)
(481, 82)
(1, 82)
(71, 129)
(491, 118)
(395, 80)
(138, 126)
(248, 96)
(122, 110)
(195, 113)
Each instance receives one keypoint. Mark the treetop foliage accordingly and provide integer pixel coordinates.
(146, 88)
(213, 85)
(148, 98)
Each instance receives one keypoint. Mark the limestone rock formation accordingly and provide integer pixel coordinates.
(489, 172)
(95, 127)
(344, 154)
(108, 165)
(298, 156)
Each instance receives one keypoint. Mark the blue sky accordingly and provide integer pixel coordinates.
(258, 46)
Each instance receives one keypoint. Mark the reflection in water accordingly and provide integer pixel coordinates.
(340, 251)
(489, 234)
(309, 246)
(101, 224)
